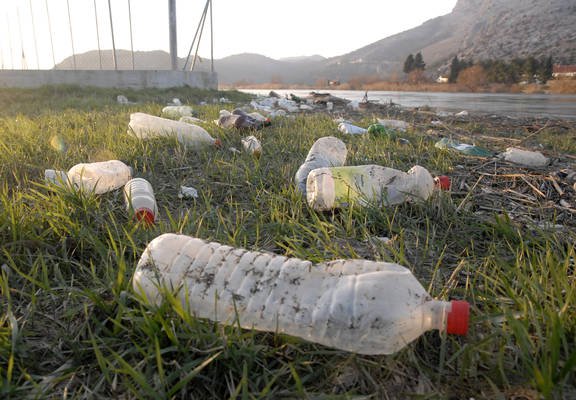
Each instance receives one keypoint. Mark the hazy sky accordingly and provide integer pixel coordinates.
(272, 28)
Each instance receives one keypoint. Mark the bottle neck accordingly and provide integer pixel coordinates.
(435, 315)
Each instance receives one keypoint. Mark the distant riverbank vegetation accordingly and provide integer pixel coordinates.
(521, 75)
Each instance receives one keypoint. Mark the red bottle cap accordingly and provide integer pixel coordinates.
(218, 143)
(458, 317)
(443, 182)
(146, 215)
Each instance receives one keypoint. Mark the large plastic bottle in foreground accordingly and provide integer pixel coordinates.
(328, 188)
(98, 177)
(360, 306)
(327, 151)
(145, 126)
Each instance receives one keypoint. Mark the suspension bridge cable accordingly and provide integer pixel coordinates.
(50, 31)
(195, 35)
(10, 41)
(131, 41)
(112, 31)
(23, 63)
(34, 35)
(199, 39)
(211, 40)
(98, 35)
(71, 34)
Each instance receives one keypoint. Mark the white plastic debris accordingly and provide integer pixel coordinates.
(444, 114)
(351, 129)
(394, 124)
(224, 100)
(252, 145)
(355, 105)
(329, 106)
(288, 105)
(175, 102)
(463, 113)
(525, 157)
(188, 192)
(121, 99)
(234, 150)
(177, 111)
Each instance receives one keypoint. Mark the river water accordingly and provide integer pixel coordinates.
(514, 105)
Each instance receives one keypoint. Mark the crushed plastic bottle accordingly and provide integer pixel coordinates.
(394, 124)
(525, 157)
(98, 177)
(177, 111)
(464, 148)
(360, 306)
(351, 129)
(252, 145)
(327, 151)
(145, 126)
(335, 187)
(140, 200)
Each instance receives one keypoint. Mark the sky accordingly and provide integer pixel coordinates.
(30, 29)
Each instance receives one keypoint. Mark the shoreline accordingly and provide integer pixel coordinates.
(565, 86)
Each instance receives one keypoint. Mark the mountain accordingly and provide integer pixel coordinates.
(474, 30)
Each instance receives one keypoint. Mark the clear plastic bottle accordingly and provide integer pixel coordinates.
(252, 145)
(525, 157)
(145, 126)
(97, 177)
(360, 306)
(327, 151)
(177, 111)
(334, 187)
(140, 200)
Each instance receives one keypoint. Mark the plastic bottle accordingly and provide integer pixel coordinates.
(140, 200)
(177, 111)
(97, 177)
(394, 124)
(328, 188)
(525, 157)
(252, 145)
(327, 151)
(360, 306)
(351, 129)
(145, 126)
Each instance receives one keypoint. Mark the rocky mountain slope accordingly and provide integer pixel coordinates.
(475, 29)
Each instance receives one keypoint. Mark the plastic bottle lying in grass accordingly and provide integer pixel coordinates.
(97, 177)
(360, 306)
(140, 200)
(177, 111)
(145, 126)
(327, 151)
(252, 145)
(525, 157)
(328, 188)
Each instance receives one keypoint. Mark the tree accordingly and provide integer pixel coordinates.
(546, 69)
(454, 70)
(408, 64)
(419, 62)
(473, 77)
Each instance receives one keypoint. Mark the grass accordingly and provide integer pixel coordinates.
(71, 326)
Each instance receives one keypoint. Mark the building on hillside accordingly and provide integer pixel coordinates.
(442, 79)
(563, 71)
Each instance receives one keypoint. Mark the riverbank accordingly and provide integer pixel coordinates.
(551, 87)
(71, 324)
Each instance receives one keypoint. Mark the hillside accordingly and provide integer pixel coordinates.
(475, 29)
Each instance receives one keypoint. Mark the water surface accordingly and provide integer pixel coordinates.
(514, 105)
